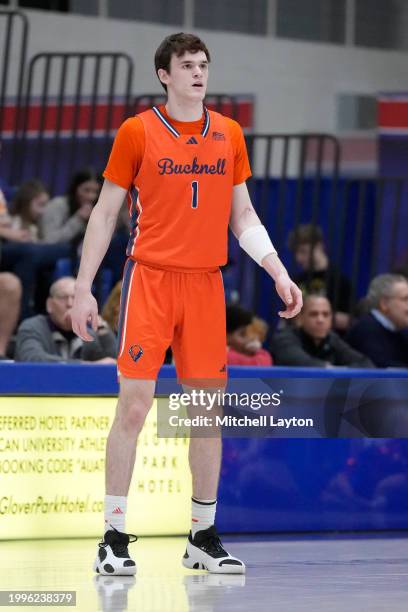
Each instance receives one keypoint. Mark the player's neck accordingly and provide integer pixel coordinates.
(182, 110)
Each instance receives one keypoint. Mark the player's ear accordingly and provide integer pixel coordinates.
(163, 75)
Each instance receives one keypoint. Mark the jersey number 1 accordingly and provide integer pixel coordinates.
(194, 197)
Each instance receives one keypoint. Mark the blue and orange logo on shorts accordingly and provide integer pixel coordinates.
(135, 352)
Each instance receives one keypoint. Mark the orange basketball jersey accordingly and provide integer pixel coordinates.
(180, 201)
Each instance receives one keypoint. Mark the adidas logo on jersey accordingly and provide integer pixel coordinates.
(117, 510)
(192, 140)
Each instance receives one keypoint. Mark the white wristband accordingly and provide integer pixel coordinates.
(256, 242)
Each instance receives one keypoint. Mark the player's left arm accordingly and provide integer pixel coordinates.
(254, 240)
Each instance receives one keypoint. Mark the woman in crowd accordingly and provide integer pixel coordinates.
(28, 207)
(65, 217)
(22, 252)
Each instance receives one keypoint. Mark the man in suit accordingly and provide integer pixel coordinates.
(382, 333)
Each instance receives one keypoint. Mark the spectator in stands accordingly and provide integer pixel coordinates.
(10, 298)
(319, 276)
(16, 257)
(258, 329)
(21, 254)
(382, 333)
(65, 217)
(244, 346)
(51, 339)
(313, 342)
(28, 206)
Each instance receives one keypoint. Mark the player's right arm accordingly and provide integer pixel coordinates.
(98, 235)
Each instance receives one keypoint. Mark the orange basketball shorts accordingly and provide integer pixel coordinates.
(168, 307)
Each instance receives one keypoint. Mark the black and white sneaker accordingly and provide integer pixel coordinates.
(113, 557)
(205, 552)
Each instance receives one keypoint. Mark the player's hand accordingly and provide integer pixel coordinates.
(290, 294)
(84, 313)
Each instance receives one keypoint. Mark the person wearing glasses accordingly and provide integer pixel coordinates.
(49, 338)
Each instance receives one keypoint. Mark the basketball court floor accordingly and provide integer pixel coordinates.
(297, 573)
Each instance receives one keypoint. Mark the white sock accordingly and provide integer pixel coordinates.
(115, 512)
(202, 514)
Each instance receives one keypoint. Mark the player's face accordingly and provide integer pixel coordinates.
(316, 318)
(395, 307)
(188, 76)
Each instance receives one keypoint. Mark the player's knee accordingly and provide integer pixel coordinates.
(132, 414)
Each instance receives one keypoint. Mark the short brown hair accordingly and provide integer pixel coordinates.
(304, 234)
(177, 44)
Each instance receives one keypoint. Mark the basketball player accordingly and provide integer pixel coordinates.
(183, 169)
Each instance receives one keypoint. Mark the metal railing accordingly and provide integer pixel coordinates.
(290, 173)
(15, 28)
(71, 103)
(363, 221)
(372, 228)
